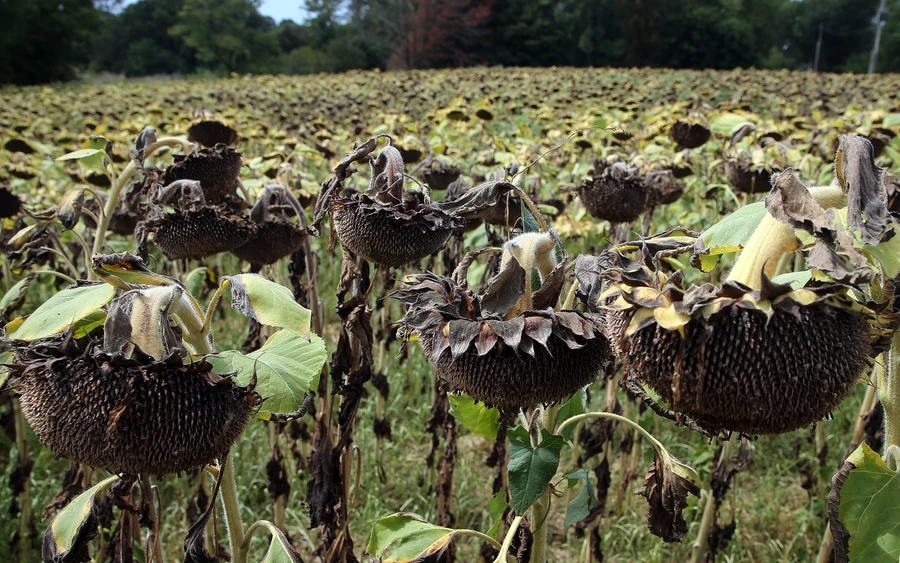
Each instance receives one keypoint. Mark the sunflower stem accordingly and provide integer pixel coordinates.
(23, 457)
(889, 393)
(232, 511)
(772, 239)
(698, 548)
(112, 201)
(507, 541)
(540, 511)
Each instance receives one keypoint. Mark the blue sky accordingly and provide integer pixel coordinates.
(275, 9)
(283, 10)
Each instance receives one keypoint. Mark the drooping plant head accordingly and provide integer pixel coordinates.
(390, 226)
(509, 346)
(769, 350)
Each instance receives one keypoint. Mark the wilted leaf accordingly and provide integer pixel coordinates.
(61, 311)
(87, 325)
(795, 279)
(666, 492)
(496, 509)
(580, 507)
(791, 203)
(280, 549)
(400, 537)
(79, 154)
(728, 123)
(861, 180)
(531, 469)
(69, 208)
(286, 367)
(475, 416)
(67, 536)
(269, 303)
(14, 297)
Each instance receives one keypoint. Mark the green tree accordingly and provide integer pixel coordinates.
(228, 35)
(44, 40)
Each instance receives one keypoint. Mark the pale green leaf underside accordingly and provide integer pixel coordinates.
(66, 524)
(475, 416)
(404, 537)
(269, 303)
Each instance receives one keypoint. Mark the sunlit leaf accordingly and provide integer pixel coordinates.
(61, 311)
(399, 538)
(475, 416)
(269, 303)
(286, 367)
(70, 531)
(869, 498)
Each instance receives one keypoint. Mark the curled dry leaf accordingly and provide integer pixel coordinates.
(666, 491)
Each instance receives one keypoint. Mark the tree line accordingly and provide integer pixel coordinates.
(51, 40)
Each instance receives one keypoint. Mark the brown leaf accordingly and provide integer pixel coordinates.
(791, 203)
(666, 492)
(838, 529)
(504, 290)
(861, 180)
(477, 201)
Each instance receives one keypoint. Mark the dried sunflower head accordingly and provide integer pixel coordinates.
(689, 134)
(276, 235)
(211, 132)
(732, 358)
(128, 415)
(506, 347)
(194, 230)
(387, 225)
(615, 193)
(217, 169)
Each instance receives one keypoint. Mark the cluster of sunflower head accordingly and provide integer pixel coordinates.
(757, 355)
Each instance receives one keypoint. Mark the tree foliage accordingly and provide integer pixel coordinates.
(48, 40)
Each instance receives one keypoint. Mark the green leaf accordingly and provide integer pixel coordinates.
(269, 303)
(286, 367)
(5, 358)
(79, 154)
(887, 254)
(496, 508)
(75, 525)
(796, 279)
(727, 123)
(573, 406)
(475, 416)
(891, 120)
(728, 235)
(400, 538)
(531, 469)
(529, 222)
(580, 507)
(869, 498)
(61, 311)
(16, 293)
(87, 325)
(280, 549)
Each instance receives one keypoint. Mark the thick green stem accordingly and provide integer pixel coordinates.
(149, 498)
(112, 201)
(232, 511)
(540, 512)
(772, 239)
(889, 393)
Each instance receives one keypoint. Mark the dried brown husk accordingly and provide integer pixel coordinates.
(763, 361)
(273, 241)
(387, 225)
(10, 203)
(210, 133)
(689, 135)
(216, 169)
(615, 193)
(538, 356)
(747, 178)
(128, 415)
(196, 234)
